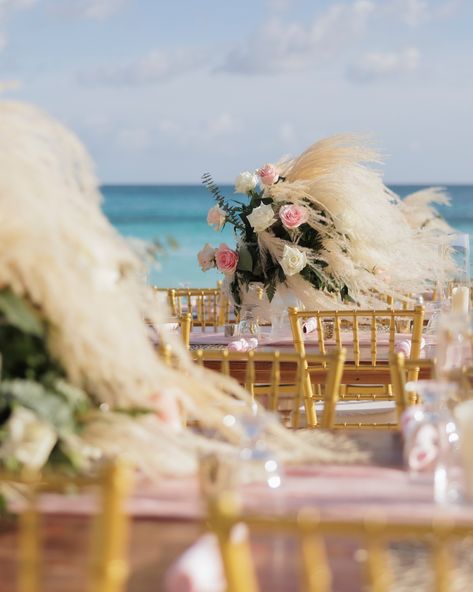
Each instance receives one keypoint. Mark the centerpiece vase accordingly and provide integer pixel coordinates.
(280, 323)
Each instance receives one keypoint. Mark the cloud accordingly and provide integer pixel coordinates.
(414, 11)
(418, 12)
(375, 65)
(134, 138)
(281, 46)
(91, 9)
(9, 85)
(6, 8)
(222, 125)
(279, 5)
(157, 66)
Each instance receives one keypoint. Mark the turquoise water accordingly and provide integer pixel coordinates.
(180, 211)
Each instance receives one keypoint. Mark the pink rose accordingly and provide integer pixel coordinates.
(216, 217)
(268, 174)
(206, 257)
(226, 259)
(292, 215)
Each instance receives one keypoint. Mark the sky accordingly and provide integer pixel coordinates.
(161, 91)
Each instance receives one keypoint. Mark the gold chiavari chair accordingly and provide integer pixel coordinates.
(265, 375)
(404, 370)
(108, 570)
(366, 372)
(209, 307)
(185, 322)
(376, 539)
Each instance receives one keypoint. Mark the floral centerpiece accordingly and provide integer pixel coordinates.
(325, 227)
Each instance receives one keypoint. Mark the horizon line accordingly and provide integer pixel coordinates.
(226, 183)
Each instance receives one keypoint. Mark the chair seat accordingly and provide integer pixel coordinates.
(360, 412)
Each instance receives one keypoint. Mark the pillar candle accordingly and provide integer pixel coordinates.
(461, 299)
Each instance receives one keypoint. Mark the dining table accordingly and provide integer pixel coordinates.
(168, 516)
(353, 374)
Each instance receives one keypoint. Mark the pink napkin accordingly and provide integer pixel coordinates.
(404, 346)
(310, 325)
(243, 345)
(199, 569)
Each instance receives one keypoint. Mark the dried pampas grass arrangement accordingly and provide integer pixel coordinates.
(61, 254)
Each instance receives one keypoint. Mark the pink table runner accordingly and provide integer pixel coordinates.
(217, 338)
(335, 490)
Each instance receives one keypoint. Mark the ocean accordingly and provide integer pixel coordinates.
(180, 211)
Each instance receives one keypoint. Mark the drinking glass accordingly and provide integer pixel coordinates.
(257, 461)
(459, 248)
(432, 441)
(459, 244)
(454, 351)
(464, 417)
(249, 322)
(253, 460)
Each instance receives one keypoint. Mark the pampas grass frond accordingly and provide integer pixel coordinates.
(60, 252)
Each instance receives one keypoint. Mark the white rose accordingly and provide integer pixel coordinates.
(261, 217)
(29, 440)
(206, 257)
(293, 261)
(245, 182)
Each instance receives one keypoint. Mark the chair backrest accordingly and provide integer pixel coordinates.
(209, 307)
(266, 374)
(357, 324)
(373, 536)
(369, 336)
(108, 554)
(404, 370)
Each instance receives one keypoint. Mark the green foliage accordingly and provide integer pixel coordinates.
(232, 212)
(20, 314)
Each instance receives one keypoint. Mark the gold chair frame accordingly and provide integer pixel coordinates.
(109, 570)
(362, 380)
(311, 531)
(404, 370)
(263, 373)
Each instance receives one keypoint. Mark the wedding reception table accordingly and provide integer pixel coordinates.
(211, 339)
(168, 517)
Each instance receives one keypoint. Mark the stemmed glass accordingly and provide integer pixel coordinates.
(253, 461)
(257, 461)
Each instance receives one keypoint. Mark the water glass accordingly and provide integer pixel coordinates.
(257, 461)
(464, 417)
(454, 351)
(249, 323)
(432, 441)
(459, 247)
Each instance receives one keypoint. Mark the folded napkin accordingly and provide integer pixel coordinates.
(243, 345)
(199, 569)
(405, 345)
(310, 325)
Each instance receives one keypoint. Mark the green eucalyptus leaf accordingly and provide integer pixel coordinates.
(46, 404)
(245, 260)
(271, 291)
(21, 314)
